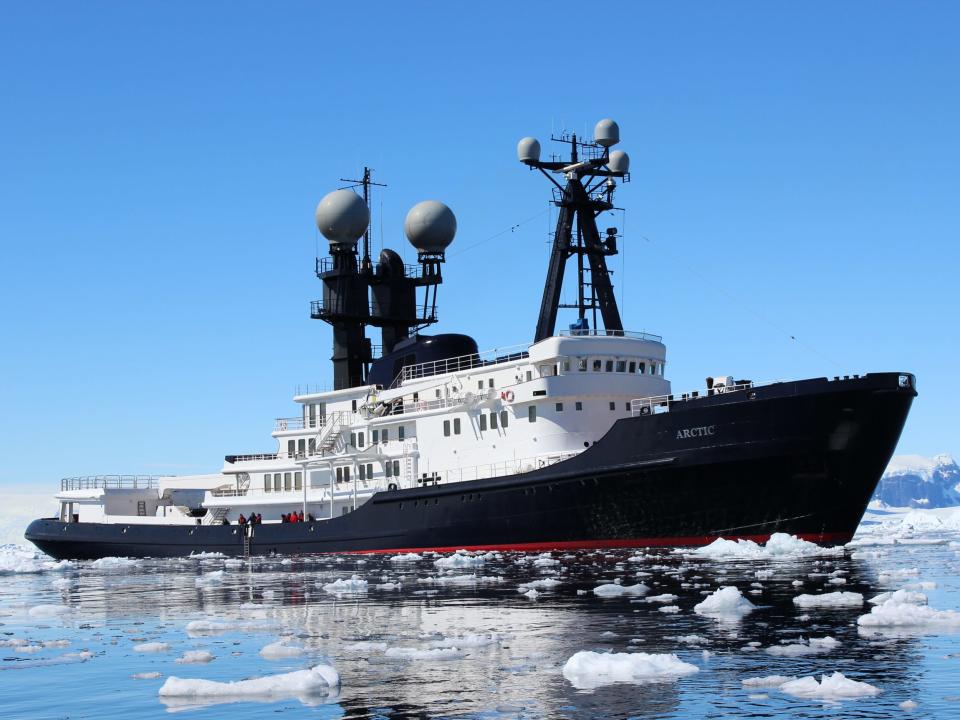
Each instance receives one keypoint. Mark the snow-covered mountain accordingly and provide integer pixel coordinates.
(917, 481)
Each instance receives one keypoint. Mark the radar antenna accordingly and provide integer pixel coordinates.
(366, 265)
(588, 191)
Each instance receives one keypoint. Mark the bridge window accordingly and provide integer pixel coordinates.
(386, 435)
(609, 365)
(446, 428)
(530, 374)
(503, 418)
(276, 482)
(642, 369)
(369, 471)
(388, 468)
(400, 433)
(633, 366)
(363, 472)
(287, 479)
(298, 481)
(597, 365)
(374, 437)
(456, 426)
(291, 448)
(479, 384)
(578, 406)
(532, 412)
(613, 405)
(346, 474)
(621, 365)
(267, 483)
(490, 382)
(493, 421)
(302, 446)
(559, 407)
(396, 468)
(339, 474)
(483, 422)
(312, 446)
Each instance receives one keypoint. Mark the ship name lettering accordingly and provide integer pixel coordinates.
(702, 431)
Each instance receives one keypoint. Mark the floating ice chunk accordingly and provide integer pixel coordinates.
(688, 639)
(908, 705)
(664, 598)
(365, 646)
(614, 590)
(460, 559)
(830, 600)
(906, 615)
(318, 681)
(587, 669)
(900, 596)
(544, 584)
(55, 643)
(211, 627)
(545, 560)
(815, 646)
(406, 558)
(726, 602)
(206, 555)
(388, 586)
(763, 574)
(467, 641)
(18, 560)
(233, 563)
(780, 546)
(193, 657)
(113, 563)
(669, 609)
(48, 611)
(769, 681)
(12, 642)
(444, 653)
(531, 594)
(281, 650)
(146, 675)
(210, 578)
(152, 647)
(353, 586)
(837, 581)
(831, 687)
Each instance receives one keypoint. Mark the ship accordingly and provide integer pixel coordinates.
(574, 440)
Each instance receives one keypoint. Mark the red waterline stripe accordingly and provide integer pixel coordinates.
(683, 541)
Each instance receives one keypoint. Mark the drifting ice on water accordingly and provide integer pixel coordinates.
(575, 440)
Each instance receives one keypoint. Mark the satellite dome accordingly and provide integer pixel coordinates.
(342, 217)
(619, 162)
(528, 150)
(606, 133)
(430, 226)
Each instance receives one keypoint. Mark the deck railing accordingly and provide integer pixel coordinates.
(662, 403)
(93, 482)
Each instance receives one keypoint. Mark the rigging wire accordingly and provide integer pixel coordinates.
(743, 304)
(512, 228)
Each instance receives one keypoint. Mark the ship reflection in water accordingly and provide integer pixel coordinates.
(461, 637)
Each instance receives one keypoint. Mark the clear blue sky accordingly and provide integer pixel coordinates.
(795, 172)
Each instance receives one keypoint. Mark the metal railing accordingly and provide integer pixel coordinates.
(635, 334)
(326, 264)
(662, 403)
(247, 458)
(460, 363)
(514, 466)
(319, 311)
(93, 482)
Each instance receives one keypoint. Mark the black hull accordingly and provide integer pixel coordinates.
(799, 457)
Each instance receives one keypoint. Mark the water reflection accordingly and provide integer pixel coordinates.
(392, 641)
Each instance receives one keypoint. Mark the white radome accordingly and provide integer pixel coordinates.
(430, 226)
(528, 150)
(606, 133)
(619, 162)
(342, 217)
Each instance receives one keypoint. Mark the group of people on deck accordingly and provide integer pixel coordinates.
(257, 518)
(295, 516)
(254, 519)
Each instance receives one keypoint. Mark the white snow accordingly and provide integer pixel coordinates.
(780, 546)
(842, 599)
(443, 653)
(831, 687)
(318, 680)
(587, 669)
(353, 586)
(917, 465)
(152, 647)
(193, 657)
(726, 602)
(531, 594)
(280, 650)
(899, 596)
(615, 590)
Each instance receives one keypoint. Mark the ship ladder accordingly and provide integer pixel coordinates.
(216, 515)
(247, 534)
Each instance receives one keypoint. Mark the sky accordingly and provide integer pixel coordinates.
(793, 210)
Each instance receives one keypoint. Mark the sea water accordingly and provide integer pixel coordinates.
(647, 633)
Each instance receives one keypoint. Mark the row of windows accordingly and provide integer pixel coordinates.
(578, 406)
(358, 440)
(502, 417)
(301, 447)
(620, 366)
(275, 482)
(391, 468)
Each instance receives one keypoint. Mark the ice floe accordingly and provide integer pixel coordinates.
(281, 650)
(839, 599)
(460, 559)
(725, 603)
(146, 675)
(352, 586)
(831, 687)
(365, 646)
(901, 612)
(780, 546)
(617, 590)
(319, 681)
(152, 647)
(587, 669)
(213, 627)
(195, 657)
(113, 563)
(441, 653)
(664, 598)
(406, 558)
(48, 611)
(813, 646)
(18, 560)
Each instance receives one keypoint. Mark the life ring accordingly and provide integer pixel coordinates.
(645, 410)
(392, 486)
(507, 395)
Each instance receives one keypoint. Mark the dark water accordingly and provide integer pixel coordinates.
(518, 674)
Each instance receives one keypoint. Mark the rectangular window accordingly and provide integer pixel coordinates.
(490, 382)
(582, 364)
(353, 439)
(353, 405)
(621, 365)
(298, 481)
(374, 437)
(597, 365)
(339, 474)
(344, 510)
(532, 413)
(346, 474)
(276, 482)
(642, 368)
(503, 418)
(456, 426)
(360, 439)
(446, 428)
(312, 446)
(388, 468)
(493, 421)
(301, 446)
(530, 375)
(313, 415)
(400, 433)
(291, 448)
(267, 483)
(396, 468)
(483, 422)
(559, 407)
(386, 435)
(363, 472)
(579, 406)
(566, 366)
(287, 481)
(479, 384)
(369, 471)
(633, 366)
(652, 368)
(609, 365)
(626, 406)
(613, 406)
